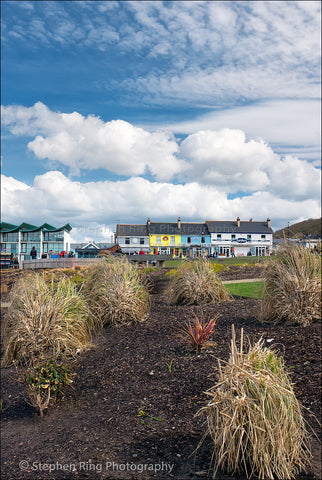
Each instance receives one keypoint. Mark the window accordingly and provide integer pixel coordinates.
(53, 236)
(188, 239)
(249, 237)
(127, 241)
(23, 248)
(13, 237)
(172, 240)
(5, 237)
(3, 246)
(45, 247)
(158, 239)
(218, 236)
(263, 237)
(233, 237)
(203, 240)
(141, 241)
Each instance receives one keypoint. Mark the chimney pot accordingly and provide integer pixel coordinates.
(179, 223)
(250, 219)
(238, 222)
(269, 223)
(148, 221)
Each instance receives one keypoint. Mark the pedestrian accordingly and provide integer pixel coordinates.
(33, 253)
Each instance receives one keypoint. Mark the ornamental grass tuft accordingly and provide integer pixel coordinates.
(293, 287)
(116, 292)
(195, 282)
(45, 320)
(254, 418)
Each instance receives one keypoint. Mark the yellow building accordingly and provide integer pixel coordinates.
(167, 243)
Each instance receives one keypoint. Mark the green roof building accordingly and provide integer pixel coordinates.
(48, 240)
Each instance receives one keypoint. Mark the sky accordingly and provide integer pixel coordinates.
(113, 112)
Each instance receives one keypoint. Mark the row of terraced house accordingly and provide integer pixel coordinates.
(222, 238)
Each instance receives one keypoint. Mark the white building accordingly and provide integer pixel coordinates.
(236, 238)
(18, 240)
(133, 238)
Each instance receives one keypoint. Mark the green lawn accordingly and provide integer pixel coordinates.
(249, 289)
(222, 261)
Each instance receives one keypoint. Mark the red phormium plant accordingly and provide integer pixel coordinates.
(196, 333)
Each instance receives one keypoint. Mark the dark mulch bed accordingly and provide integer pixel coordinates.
(126, 371)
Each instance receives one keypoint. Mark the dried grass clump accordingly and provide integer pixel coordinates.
(254, 418)
(47, 320)
(116, 292)
(195, 282)
(293, 287)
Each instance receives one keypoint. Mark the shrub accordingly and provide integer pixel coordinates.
(46, 380)
(293, 287)
(197, 332)
(195, 282)
(254, 418)
(116, 292)
(45, 320)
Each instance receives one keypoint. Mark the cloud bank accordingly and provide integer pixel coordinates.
(223, 159)
(58, 200)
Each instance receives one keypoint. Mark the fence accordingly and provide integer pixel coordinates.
(157, 260)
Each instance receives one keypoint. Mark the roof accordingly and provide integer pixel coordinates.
(90, 246)
(161, 228)
(185, 228)
(126, 230)
(231, 227)
(27, 227)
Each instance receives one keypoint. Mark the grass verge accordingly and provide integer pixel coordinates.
(246, 289)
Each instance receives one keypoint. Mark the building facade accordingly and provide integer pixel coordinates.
(239, 239)
(132, 238)
(90, 249)
(179, 239)
(19, 239)
(221, 238)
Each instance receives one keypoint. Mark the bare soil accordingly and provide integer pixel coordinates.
(96, 432)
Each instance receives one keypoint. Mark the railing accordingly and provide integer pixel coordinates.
(72, 262)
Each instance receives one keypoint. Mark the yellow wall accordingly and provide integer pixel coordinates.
(165, 241)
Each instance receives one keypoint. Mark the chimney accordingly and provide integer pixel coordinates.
(179, 223)
(250, 219)
(269, 223)
(148, 221)
(238, 222)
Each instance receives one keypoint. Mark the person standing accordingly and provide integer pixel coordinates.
(33, 253)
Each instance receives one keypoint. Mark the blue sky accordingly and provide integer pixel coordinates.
(119, 111)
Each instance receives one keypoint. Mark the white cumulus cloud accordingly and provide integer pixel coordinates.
(58, 200)
(89, 143)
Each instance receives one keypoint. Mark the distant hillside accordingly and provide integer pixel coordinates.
(313, 226)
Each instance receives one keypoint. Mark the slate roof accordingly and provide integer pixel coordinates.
(161, 228)
(245, 227)
(131, 230)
